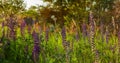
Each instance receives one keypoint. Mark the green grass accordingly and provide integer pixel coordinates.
(53, 51)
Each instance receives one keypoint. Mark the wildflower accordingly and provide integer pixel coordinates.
(36, 49)
(35, 53)
(22, 27)
(12, 29)
(35, 37)
(63, 33)
(3, 24)
(84, 29)
(92, 32)
(65, 43)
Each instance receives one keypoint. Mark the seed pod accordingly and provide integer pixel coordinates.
(92, 32)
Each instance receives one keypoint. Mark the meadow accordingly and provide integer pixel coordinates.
(87, 43)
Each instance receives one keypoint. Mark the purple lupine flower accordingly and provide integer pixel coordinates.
(36, 49)
(11, 23)
(84, 29)
(35, 37)
(47, 34)
(22, 26)
(63, 33)
(3, 24)
(11, 26)
(35, 53)
(12, 34)
(65, 44)
(107, 35)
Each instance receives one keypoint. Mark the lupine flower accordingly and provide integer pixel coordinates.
(84, 29)
(35, 37)
(65, 44)
(11, 26)
(36, 49)
(92, 25)
(35, 53)
(3, 24)
(22, 26)
(92, 29)
(63, 33)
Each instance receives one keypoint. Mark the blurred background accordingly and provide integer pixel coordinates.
(61, 12)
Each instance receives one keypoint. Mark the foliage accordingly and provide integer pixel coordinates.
(61, 32)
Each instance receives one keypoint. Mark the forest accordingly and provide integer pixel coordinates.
(62, 31)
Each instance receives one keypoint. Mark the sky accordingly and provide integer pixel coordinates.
(30, 3)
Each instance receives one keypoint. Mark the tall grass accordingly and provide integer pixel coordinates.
(31, 46)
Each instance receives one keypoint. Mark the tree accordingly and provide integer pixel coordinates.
(79, 9)
(11, 8)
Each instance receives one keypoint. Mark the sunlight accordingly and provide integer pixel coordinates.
(30, 3)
